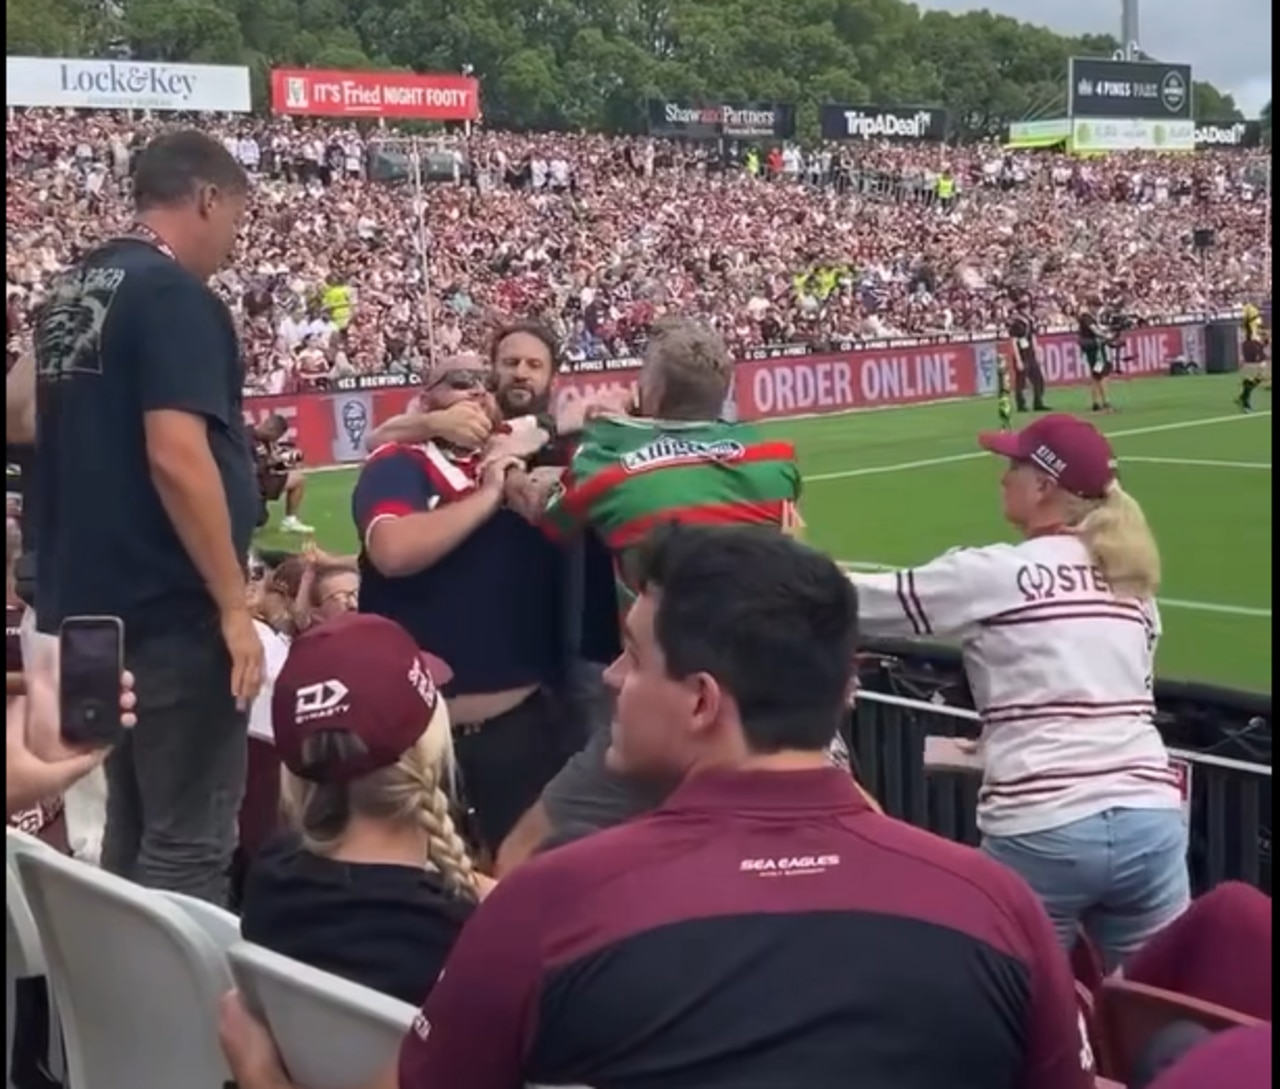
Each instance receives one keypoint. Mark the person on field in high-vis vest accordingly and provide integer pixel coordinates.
(1058, 634)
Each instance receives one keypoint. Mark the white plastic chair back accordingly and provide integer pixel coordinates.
(19, 843)
(218, 923)
(331, 1033)
(24, 957)
(136, 982)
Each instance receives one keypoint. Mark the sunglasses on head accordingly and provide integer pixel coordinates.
(463, 380)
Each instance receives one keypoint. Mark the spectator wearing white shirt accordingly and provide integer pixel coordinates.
(1058, 635)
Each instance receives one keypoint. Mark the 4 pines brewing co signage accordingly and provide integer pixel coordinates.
(1134, 90)
(908, 124)
(755, 120)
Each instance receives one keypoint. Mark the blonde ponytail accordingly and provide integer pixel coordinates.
(1115, 531)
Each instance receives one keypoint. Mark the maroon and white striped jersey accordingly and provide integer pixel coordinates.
(1061, 670)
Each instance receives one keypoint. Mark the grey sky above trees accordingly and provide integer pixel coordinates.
(1227, 42)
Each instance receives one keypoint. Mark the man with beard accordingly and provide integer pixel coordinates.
(443, 557)
(524, 358)
(677, 460)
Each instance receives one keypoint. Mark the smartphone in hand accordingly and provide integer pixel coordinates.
(91, 651)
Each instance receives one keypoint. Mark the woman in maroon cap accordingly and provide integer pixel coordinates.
(373, 882)
(1058, 634)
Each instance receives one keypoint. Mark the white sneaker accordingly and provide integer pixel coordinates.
(290, 524)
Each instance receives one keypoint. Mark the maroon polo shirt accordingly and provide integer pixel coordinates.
(758, 929)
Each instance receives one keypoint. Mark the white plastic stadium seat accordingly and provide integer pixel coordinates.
(24, 958)
(136, 981)
(220, 924)
(331, 1033)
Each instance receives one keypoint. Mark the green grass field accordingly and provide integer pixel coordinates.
(899, 486)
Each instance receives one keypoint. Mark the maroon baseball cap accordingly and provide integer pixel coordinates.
(1071, 450)
(359, 673)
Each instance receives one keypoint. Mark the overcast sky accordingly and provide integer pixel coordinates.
(1227, 42)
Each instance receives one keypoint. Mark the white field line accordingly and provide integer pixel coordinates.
(1154, 429)
(1165, 602)
(1206, 463)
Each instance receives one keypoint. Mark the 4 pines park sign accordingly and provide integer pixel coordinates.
(1119, 104)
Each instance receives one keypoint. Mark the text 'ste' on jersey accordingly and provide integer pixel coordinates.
(1062, 672)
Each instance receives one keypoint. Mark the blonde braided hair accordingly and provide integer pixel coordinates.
(414, 789)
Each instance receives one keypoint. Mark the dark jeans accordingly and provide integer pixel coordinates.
(506, 761)
(175, 783)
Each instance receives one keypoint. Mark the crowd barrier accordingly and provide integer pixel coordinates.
(330, 427)
(1219, 739)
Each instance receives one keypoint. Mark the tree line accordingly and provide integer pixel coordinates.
(592, 64)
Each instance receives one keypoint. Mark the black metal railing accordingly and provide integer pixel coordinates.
(1222, 737)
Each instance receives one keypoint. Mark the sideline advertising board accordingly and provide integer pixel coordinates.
(330, 427)
(126, 85)
(401, 96)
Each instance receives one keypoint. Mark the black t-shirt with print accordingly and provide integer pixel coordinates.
(384, 926)
(125, 333)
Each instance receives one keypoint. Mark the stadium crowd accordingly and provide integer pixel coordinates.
(600, 236)
(766, 924)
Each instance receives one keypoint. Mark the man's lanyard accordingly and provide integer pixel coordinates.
(140, 232)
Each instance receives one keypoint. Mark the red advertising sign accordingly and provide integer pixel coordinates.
(330, 428)
(1147, 351)
(392, 95)
(804, 384)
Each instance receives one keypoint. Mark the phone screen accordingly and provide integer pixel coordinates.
(92, 659)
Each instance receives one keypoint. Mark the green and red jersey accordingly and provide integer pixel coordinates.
(629, 475)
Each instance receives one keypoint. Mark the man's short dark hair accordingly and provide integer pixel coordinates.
(175, 164)
(536, 329)
(773, 621)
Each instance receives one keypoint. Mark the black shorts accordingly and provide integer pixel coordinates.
(1253, 352)
(1096, 359)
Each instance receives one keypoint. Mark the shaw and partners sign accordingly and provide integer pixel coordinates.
(759, 120)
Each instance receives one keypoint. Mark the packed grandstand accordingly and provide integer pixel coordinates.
(819, 277)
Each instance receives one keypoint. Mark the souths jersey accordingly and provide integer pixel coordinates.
(630, 475)
(1061, 670)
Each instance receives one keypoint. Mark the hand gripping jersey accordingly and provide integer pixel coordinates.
(630, 475)
(1061, 670)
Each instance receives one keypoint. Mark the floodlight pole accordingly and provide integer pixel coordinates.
(412, 148)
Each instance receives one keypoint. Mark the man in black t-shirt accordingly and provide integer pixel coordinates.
(1093, 342)
(147, 503)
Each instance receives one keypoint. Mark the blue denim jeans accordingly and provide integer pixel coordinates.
(1121, 875)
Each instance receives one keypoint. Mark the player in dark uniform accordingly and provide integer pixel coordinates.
(279, 463)
(1026, 366)
(1253, 355)
(1093, 340)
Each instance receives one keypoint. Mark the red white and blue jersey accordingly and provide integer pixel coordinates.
(491, 607)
